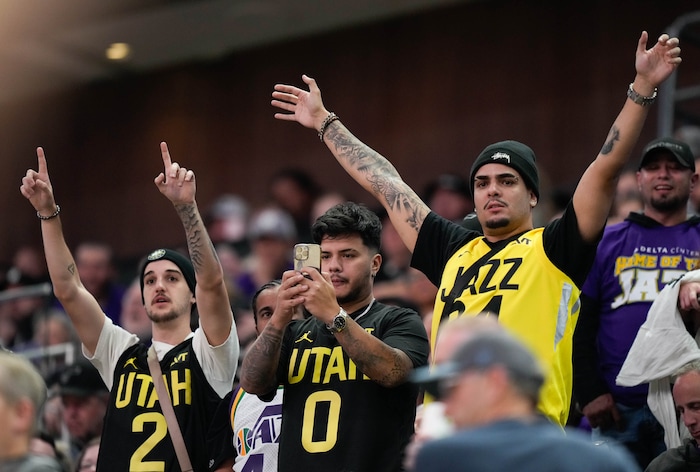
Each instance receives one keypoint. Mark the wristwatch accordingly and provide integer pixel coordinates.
(339, 322)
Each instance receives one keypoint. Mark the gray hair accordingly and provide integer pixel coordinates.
(19, 379)
(691, 366)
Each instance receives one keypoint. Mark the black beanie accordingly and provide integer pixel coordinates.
(176, 258)
(512, 154)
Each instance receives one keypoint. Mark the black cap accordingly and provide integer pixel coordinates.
(481, 352)
(176, 258)
(512, 154)
(82, 379)
(678, 149)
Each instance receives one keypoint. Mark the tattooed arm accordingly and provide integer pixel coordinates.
(369, 168)
(215, 315)
(594, 195)
(81, 306)
(258, 372)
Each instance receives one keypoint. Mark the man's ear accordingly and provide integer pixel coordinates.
(376, 264)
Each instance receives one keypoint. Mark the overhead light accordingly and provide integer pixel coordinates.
(118, 51)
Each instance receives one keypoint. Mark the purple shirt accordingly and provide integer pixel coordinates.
(635, 260)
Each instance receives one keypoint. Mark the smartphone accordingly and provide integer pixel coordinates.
(307, 255)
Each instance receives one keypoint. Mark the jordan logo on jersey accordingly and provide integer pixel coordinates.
(304, 337)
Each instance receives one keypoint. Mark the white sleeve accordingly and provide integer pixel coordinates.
(113, 341)
(219, 363)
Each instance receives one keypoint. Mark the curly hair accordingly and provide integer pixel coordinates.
(346, 219)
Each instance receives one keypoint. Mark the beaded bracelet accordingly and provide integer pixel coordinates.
(51, 216)
(640, 99)
(329, 119)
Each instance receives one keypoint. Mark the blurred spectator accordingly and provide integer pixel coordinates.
(84, 397)
(449, 196)
(133, 316)
(29, 260)
(227, 222)
(272, 236)
(324, 202)
(233, 265)
(396, 258)
(628, 197)
(20, 313)
(22, 394)
(295, 191)
(52, 329)
(87, 462)
(414, 287)
(690, 135)
(622, 208)
(559, 198)
(43, 444)
(490, 386)
(95, 264)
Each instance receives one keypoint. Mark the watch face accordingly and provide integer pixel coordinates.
(339, 322)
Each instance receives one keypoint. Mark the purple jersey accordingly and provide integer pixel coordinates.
(635, 260)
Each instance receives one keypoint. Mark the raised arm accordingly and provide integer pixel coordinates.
(594, 195)
(179, 186)
(369, 168)
(81, 306)
(258, 372)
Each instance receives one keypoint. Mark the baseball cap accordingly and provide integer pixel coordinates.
(481, 352)
(80, 378)
(273, 223)
(512, 154)
(678, 149)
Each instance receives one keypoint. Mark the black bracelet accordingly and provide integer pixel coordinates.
(329, 119)
(640, 99)
(51, 216)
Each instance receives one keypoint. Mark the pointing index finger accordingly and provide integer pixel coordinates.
(42, 167)
(167, 162)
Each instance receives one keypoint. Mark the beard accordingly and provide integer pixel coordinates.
(357, 289)
(498, 223)
(669, 204)
(170, 315)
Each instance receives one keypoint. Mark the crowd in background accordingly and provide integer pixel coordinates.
(254, 246)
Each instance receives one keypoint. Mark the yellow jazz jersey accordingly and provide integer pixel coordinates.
(532, 298)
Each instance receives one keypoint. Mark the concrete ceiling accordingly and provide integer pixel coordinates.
(47, 45)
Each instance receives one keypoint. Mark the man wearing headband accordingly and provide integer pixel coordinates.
(529, 278)
(198, 367)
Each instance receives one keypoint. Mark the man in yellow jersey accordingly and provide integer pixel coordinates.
(528, 277)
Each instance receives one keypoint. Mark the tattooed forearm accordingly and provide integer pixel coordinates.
(259, 367)
(197, 242)
(382, 178)
(613, 135)
(383, 364)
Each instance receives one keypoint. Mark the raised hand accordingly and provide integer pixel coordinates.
(36, 186)
(175, 182)
(657, 63)
(306, 108)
